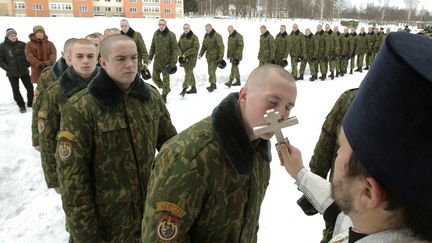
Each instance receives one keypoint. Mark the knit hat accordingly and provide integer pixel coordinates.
(10, 31)
(389, 123)
(37, 28)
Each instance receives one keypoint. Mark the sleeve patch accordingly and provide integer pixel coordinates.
(66, 134)
(65, 150)
(170, 207)
(167, 228)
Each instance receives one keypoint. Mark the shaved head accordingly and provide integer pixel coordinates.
(107, 43)
(260, 75)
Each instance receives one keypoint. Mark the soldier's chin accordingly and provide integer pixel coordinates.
(267, 136)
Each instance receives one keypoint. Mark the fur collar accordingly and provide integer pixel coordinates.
(130, 32)
(346, 35)
(188, 35)
(354, 34)
(309, 36)
(233, 34)
(265, 34)
(284, 34)
(211, 34)
(59, 67)
(164, 32)
(320, 33)
(362, 34)
(297, 32)
(108, 95)
(70, 82)
(330, 32)
(33, 38)
(229, 130)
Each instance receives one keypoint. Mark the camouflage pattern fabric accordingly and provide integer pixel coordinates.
(267, 49)
(282, 45)
(297, 50)
(214, 49)
(309, 56)
(235, 52)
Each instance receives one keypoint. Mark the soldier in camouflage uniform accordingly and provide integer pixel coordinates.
(267, 48)
(361, 49)
(309, 55)
(370, 51)
(207, 183)
(234, 55)
(83, 58)
(322, 161)
(352, 50)
(330, 49)
(379, 39)
(165, 51)
(108, 136)
(188, 46)
(143, 58)
(320, 52)
(282, 43)
(344, 55)
(297, 50)
(338, 49)
(214, 49)
(49, 75)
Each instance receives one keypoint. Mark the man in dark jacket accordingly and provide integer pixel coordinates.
(13, 61)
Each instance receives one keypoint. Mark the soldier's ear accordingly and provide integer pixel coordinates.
(243, 95)
(103, 62)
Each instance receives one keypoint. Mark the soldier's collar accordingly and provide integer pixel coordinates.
(70, 82)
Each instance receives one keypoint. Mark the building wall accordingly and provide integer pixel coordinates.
(37, 8)
(109, 7)
(133, 8)
(82, 8)
(61, 8)
(168, 9)
(151, 8)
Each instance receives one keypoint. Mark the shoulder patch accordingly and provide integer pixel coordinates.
(170, 207)
(66, 134)
(167, 228)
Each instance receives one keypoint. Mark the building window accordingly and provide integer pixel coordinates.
(19, 5)
(133, 10)
(179, 11)
(37, 7)
(119, 10)
(83, 8)
(167, 11)
(96, 9)
(107, 9)
(133, 1)
(60, 6)
(107, 0)
(167, 1)
(157, 10)
(179, 1)
(95, 0)
(118, 1)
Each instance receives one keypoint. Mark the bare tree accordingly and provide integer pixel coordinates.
(411, 5)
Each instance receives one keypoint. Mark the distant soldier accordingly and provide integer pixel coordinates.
(370, 47)
(309, 56)
(282, 43)
(267, 47)
(361, 49)
(143, 58)
(107, 140)
(214, 49)
(330, 51)
(165, 51)
(49, 75)
(83, 58)
(379, 39)
(234, 55)
(344, 55)
(320, 52)
(297, 50)
(352, 50)
(407, 29)
(338, 50)
(189, 46)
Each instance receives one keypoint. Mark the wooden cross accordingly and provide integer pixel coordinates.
(273, 117)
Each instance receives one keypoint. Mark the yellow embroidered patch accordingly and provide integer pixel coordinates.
(168, 228)
(37, 92)
(41, 125)
(170, 207)
(42, 114)
(65, 150)
(67, 135)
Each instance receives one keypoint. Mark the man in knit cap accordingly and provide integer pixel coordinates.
(383, 171)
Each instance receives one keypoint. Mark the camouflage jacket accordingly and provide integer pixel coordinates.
(208, 183)
(353, 44)
(345, 41)
(327, 146)
(379, 41)
(361, 45)
(282, 43)
(164, 49)
(309, 47)
(49, 114)
(297, 42)
(141, 47)
(189, 45)
(105, 146)
(213, 47)
(370, 42)
(267, 48)
(319, 45)
(329, 38)
(235, 46)
(338, 43)
(49, 75)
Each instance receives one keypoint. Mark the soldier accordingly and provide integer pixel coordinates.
(338, 50)
(344, 55)
(267, 48)
(222, 155)
(330, 50)
(282, 43)
(105, 146)
(188, 45)
(309, 55)
(48, 75)
(297, 50)
(353, 47)
(379, 39)
(143, 58)
(320, 53)
(13, 61)
(165, 51)
(370, 46)
(234, 55)
(83, 59)
(361, 48)
(214, 49)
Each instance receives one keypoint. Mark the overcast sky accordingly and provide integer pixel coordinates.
(427, 4)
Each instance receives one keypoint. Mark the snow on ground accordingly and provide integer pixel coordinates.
(29, 212)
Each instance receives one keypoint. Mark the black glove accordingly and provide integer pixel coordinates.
(42, 66)
(333, 57)
(299, 59)
(284, 63)
(235, 61)
(306, 206)
(272, 62)
(314, 60)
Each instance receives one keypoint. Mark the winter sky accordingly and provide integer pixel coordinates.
(427, 4)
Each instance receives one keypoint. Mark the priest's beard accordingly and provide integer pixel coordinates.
(341, 193)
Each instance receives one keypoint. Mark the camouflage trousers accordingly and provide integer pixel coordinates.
(235, 73)
(163, 83)
(334, 65)
(343, 66)
(360, 59)
(327, 234)
(294, 66)
(352, 62)
(211, 67)
(312, 66)
(370, 59)
(323, 67)
(189, 77)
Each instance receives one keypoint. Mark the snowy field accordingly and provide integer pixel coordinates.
(29, 212)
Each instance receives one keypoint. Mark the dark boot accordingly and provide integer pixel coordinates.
(366, 68)
(323, 77)
(358, 70)
(313, 78)
(22, 109)
(351, 72)
(237, 83)
(342, 73)
(211, 88)
(228, 84)
(300, 77)
(183, 92)
(192, 90)
(332, 75)
(337, 74)
(164, 98)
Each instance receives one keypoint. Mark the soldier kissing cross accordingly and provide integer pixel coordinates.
(273, 117)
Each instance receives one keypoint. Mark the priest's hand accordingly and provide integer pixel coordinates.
(290, 158)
